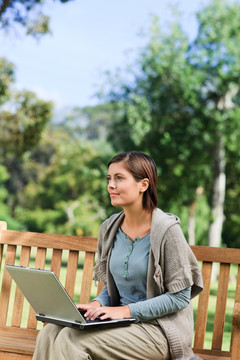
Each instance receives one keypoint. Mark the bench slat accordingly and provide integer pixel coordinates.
(32, 321)
(237, 295)
(3, 226)
(17, 342)
(71, 272)
(208, 354)
(49, 241)
(87, 278)
(56, 261)
(19, 298)
(235, 342)
(203, 300)
(6, 284)
(221, 304)
(40, 258)
(12, 356)
(219, 255)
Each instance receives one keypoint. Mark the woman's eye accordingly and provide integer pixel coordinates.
(117, 177)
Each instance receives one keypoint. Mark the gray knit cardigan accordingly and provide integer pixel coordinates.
(172, 267)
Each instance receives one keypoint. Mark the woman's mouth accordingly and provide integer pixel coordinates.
(113, 194)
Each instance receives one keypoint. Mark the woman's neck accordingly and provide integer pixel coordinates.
(137, 217)
(136, 223)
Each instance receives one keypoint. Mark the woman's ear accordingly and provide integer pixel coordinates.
(144, 184)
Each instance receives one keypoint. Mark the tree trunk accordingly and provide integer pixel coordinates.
(3, 6)
(218, 197)
(191, 223)
(192, 216)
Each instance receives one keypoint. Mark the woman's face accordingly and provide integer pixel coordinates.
(124, 190)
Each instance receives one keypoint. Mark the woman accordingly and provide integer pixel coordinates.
(149, 273)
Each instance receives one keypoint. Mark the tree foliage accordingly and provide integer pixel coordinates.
(179, 104)
(22, 125)
(66, 191)
(89, 123)
(216, 55)
(23, 118)
(4, 209)
(27, 13)
(157, 114)
(51, 178)
(7, 77)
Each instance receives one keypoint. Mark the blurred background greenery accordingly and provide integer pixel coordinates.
(177, 100)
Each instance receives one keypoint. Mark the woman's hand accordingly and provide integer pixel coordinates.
(86, 307)
(104, 312)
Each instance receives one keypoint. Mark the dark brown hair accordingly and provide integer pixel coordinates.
(141, 166)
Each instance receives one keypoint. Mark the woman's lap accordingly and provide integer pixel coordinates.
(139, 341)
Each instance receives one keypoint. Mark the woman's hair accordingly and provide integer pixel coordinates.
(141, 166)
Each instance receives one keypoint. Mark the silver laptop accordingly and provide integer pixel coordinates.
(51, 302)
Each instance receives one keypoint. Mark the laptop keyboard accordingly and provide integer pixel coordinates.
(92, 321)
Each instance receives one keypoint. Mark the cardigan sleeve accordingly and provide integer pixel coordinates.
(181, 268)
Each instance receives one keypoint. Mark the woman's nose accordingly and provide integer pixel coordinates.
(111, 184)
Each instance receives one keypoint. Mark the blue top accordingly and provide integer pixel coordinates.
(128, 266)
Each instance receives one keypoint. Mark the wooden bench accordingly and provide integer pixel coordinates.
(64, 255)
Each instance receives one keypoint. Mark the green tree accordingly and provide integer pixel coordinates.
(180, 106)
(216, 55)
(232, 205)
(27, 13)
(66, 192)
(157, 116)
(23, 119)
(22, 125)
(7, 77)
(89, 123)
(4, 209)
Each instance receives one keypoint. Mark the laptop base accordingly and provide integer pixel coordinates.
(88, 325)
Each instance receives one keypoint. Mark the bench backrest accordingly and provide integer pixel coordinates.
(16, 247)
(208, 312)
(71, 258)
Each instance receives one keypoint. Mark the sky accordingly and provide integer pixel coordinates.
(88, 38)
